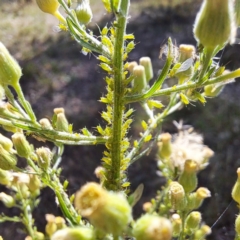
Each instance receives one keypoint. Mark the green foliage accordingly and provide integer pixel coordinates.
(108, 205)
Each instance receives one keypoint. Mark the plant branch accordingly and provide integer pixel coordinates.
(185, 86)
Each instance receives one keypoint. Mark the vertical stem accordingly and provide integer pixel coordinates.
(114, 182)
(206, 60)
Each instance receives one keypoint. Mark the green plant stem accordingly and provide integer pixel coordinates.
(64, 202)
(93, 41)
(113, 181)
(183, 217)
(185, 86)
(53, 135)
(206, 60)
(172, 107)
(15, 104)
(27, 107)
(28, 221)
(148, 111)
(26, 213)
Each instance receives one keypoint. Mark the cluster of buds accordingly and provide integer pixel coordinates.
(54, 224)
(107, 211)
(142, 73)
(24, 186)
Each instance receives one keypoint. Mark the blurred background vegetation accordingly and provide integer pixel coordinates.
(57, 74)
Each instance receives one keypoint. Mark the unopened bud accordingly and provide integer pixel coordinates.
(44, 157)
(147, 206)
(6, 143)
(45, 123)
(213, 90)
(177, 224)
(7, 160)
(51, 226)
(5, 177)
(177, 196)
(96, 204)
(21, 145)
(10, 71)
(236, 188)
(151, 227)
(193, 221)
(188, 178)
(165, 146)
(58, 110)
(83, 12)
(78, 233)
(201, 233)
(60, 222)
(7, 200)
(147, 64)
(139, 82)
(62, 122)
(51, 7)
(131, 66)
(48, 6)
(34, 183)
(237, 225)
(186, 56)
(214, 23)
(195, 199)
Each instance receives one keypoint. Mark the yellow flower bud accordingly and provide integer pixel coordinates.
(201, 233)
(51, 7)
(186, 69)
(131, 66)
(188, 178)
(147, 64)
(7, 200)
(195, 199)
(10, 71)
(177, 224)
(165, 146)
(77, 233)
(62, 122)
(150, 227)
(193, 221)
(6, 143)
(34, 184)
(21, 145)
(48, 6)
(44, 157)
(107, 211)
(45, 123)
(139, 82)
(214, 23)
(177, 196)
(83, 12)
(8, 161)
(5, 177)
(236, 188)
(237, 225)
